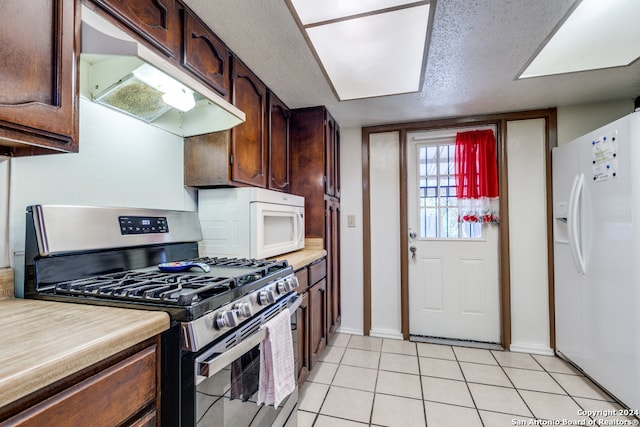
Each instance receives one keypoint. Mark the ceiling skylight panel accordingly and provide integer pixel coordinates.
(598, 34)
(313, 11)
(375, 55)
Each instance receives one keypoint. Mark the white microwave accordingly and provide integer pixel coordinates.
(250, 222)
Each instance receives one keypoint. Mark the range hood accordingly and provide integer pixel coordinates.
(123, 74)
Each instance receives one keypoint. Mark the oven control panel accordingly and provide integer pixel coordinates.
(143, 225)
(204, 330)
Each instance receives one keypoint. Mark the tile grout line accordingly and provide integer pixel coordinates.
(514, 386)
(560, 385)
(315, 420)
(557, 382)
(468, 388)
(375, 386)
(424, 405)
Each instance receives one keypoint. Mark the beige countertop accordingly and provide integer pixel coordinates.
(299, 259)
(42, 342)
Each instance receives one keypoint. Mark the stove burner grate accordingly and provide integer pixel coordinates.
(175, 289)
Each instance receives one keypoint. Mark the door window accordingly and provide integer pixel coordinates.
(438, 205)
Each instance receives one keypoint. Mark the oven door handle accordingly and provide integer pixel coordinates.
(294, 303)
(210, 363)
(210, 366)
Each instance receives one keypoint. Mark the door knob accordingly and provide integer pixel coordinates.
(412, 234)
(413, 250)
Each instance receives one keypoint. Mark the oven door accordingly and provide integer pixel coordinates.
(227, 387)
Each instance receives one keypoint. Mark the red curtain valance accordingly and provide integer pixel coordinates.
(476, 168)
(477, 176)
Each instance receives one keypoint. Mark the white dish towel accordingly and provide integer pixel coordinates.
(277, 379)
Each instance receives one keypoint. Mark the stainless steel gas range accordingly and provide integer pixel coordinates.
(148, 259)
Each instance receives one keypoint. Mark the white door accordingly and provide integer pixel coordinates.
(453, 272)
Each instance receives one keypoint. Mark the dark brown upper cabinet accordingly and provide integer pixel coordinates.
(155, 21)
(279, 116)
(332, 156)
(237, 157)
(315, 171)
(249, 139)
(38, 85)
(205, 55)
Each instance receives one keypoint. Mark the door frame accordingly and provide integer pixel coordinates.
(500, 122)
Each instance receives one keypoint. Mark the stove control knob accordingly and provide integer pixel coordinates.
(283, 287)
(243, 309)
(287, 285)
(225, 319)
(266, 297)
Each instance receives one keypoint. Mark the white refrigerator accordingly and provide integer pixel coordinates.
(596, 210)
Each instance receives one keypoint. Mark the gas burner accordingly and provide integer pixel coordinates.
(233, 262)
(175, 289)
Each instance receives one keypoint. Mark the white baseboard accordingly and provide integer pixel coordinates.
(386, 333)
(350, 331)
(532, 348)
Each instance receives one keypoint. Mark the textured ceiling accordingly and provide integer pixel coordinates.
(477, 49)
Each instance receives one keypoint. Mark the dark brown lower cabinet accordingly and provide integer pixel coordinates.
(123, 394)
(149, 419)
(332, 245)
(302, 336)
(311, 333)
(318, 322)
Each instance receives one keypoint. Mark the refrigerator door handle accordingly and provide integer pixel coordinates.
(573, 222)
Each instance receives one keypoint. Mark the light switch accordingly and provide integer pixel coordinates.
(351, 220)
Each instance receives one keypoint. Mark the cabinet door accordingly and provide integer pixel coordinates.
(302, 340)
(38, 93)
(336, 160)
(156, 21)
(332, 246)
(278, 144)
(317, 320)
(206, 160)
(248, 140)
(307, 166)
(149, 419)
(330, 155)
(334, 301)
(106, 399)
(205, 55)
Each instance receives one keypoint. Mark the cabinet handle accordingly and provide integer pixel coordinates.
(278, 185)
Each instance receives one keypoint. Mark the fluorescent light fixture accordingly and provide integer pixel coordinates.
(183, 99)
(174, 93)
(597, 34)
(367, 49)
(314, 11)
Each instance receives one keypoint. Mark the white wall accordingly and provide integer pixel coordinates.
(528, 236)
(122, 162)
(384, 186)
(351, 257)
(577, 120)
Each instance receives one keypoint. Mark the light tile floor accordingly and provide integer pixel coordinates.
(373, 381)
